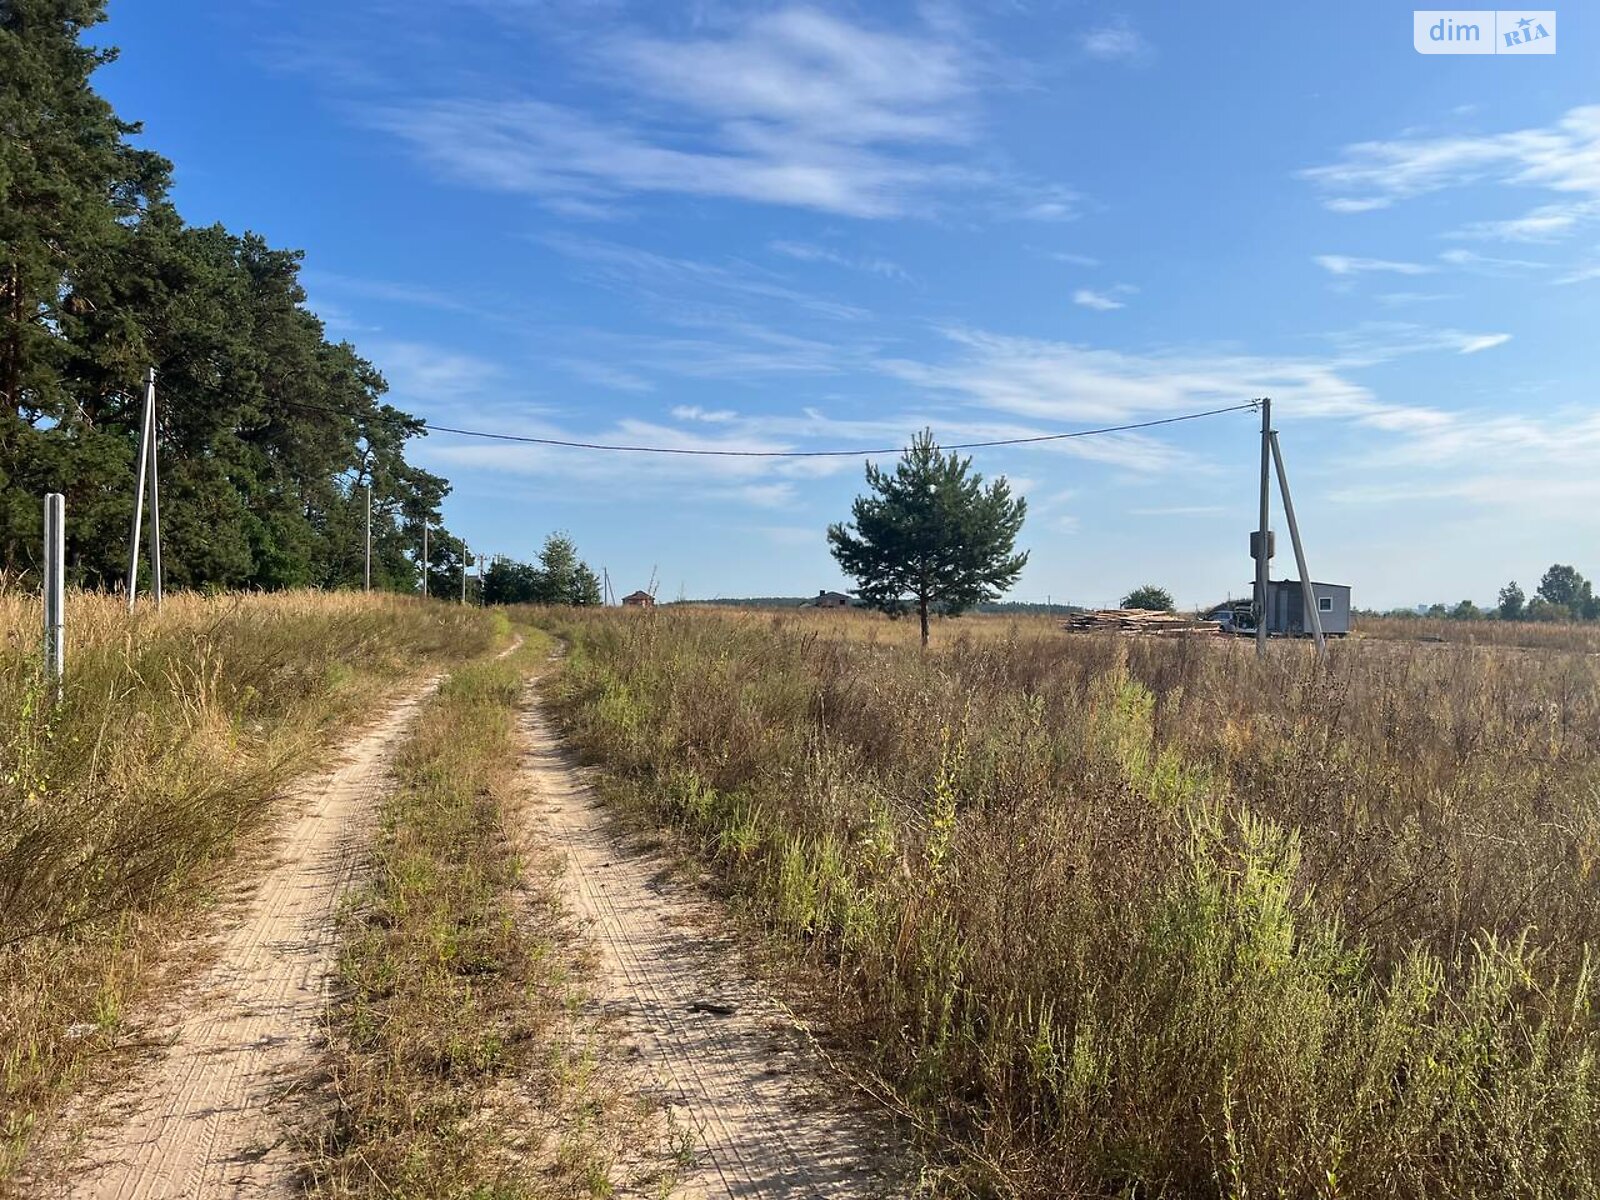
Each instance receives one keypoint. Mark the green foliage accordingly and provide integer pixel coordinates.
(559, 577)
(931, 536)
(1510, 602)
(1150, 596)
(268, 433)
(1564, 587)
(1151, 918)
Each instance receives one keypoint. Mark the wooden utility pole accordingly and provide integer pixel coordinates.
(1264, 534)
(55, 570)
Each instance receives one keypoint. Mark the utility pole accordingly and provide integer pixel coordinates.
(1264, 534)
(146, 468)
(424, 558)
(1313, 616)
(366, 575)
(465, 555)
(55, 564)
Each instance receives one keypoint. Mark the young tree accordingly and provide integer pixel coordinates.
(1511, 602)
(1563, 585)
(931, 536)
(1157, 599)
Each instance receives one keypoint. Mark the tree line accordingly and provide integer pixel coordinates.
(1563, 594)
(270, 433)
(559, 577)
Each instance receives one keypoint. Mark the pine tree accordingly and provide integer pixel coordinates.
(931, 536)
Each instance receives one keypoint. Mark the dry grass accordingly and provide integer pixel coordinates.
(121, 807)
(1574, 637)
(461, 1066)
(1147, 918)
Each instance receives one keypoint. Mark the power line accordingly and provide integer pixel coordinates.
(1021, 441)
(529, 439)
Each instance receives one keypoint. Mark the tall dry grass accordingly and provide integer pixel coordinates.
(1145, 918)
(120, 806)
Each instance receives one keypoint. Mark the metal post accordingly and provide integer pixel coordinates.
(138, 489)
(1313, 616)
(424, 558)
(55, 571)
(155, 502)
(1262, 560)
(366, 576)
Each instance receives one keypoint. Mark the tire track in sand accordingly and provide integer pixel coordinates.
(746, 1081)
(198, 1122)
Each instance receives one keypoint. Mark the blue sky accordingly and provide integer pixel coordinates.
(765, 226)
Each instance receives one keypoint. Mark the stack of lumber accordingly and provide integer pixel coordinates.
(1138, 620)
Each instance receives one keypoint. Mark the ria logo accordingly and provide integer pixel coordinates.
(1483, 31)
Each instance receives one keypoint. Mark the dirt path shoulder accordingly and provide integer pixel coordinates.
(730, 1065)
(198, 1119)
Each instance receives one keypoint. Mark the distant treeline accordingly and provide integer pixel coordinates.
(269, 432)
(1020, 607)
(1563, 594)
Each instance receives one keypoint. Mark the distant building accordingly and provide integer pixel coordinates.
(831, 600)
(638, 600)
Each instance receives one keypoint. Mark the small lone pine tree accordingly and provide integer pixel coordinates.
(930, 536)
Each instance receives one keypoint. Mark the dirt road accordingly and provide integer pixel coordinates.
(732, 1068)
(199, 1120)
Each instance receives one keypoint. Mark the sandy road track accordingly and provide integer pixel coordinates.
(732, 1069)
(198, 1120)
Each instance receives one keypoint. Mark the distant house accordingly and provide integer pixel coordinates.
(639, 600)
(831, 600)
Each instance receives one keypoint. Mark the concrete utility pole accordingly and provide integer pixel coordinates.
(1264, 535)
(424, 558)
(147, 466)
(55, 572)
(465, 554)
(1313, 614)
(366, 575)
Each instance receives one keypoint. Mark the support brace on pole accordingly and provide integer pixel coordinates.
(1313, 614)
(145, 424)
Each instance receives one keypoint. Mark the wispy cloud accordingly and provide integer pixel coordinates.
(1339, 264)
(1563, 158)
(1100, 301)
(1118, 40)
(793, 107)
(639, 270)
(810, 252)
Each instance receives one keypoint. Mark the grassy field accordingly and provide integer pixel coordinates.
(1149, 918)
(460, 1065)
(122, 807)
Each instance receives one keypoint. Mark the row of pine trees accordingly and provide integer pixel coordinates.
(269, 432)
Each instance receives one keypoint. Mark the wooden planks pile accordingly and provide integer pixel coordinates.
(1138, 620)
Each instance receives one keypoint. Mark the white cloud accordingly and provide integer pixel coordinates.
(809, 252)
(793, 107)
(1077, 260)
(1089, 298)
(1339, 264)
(1563, 158)
(1116, 41)
(1547, 223)
(644, 272)
(606, 375)
(1488, 264)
